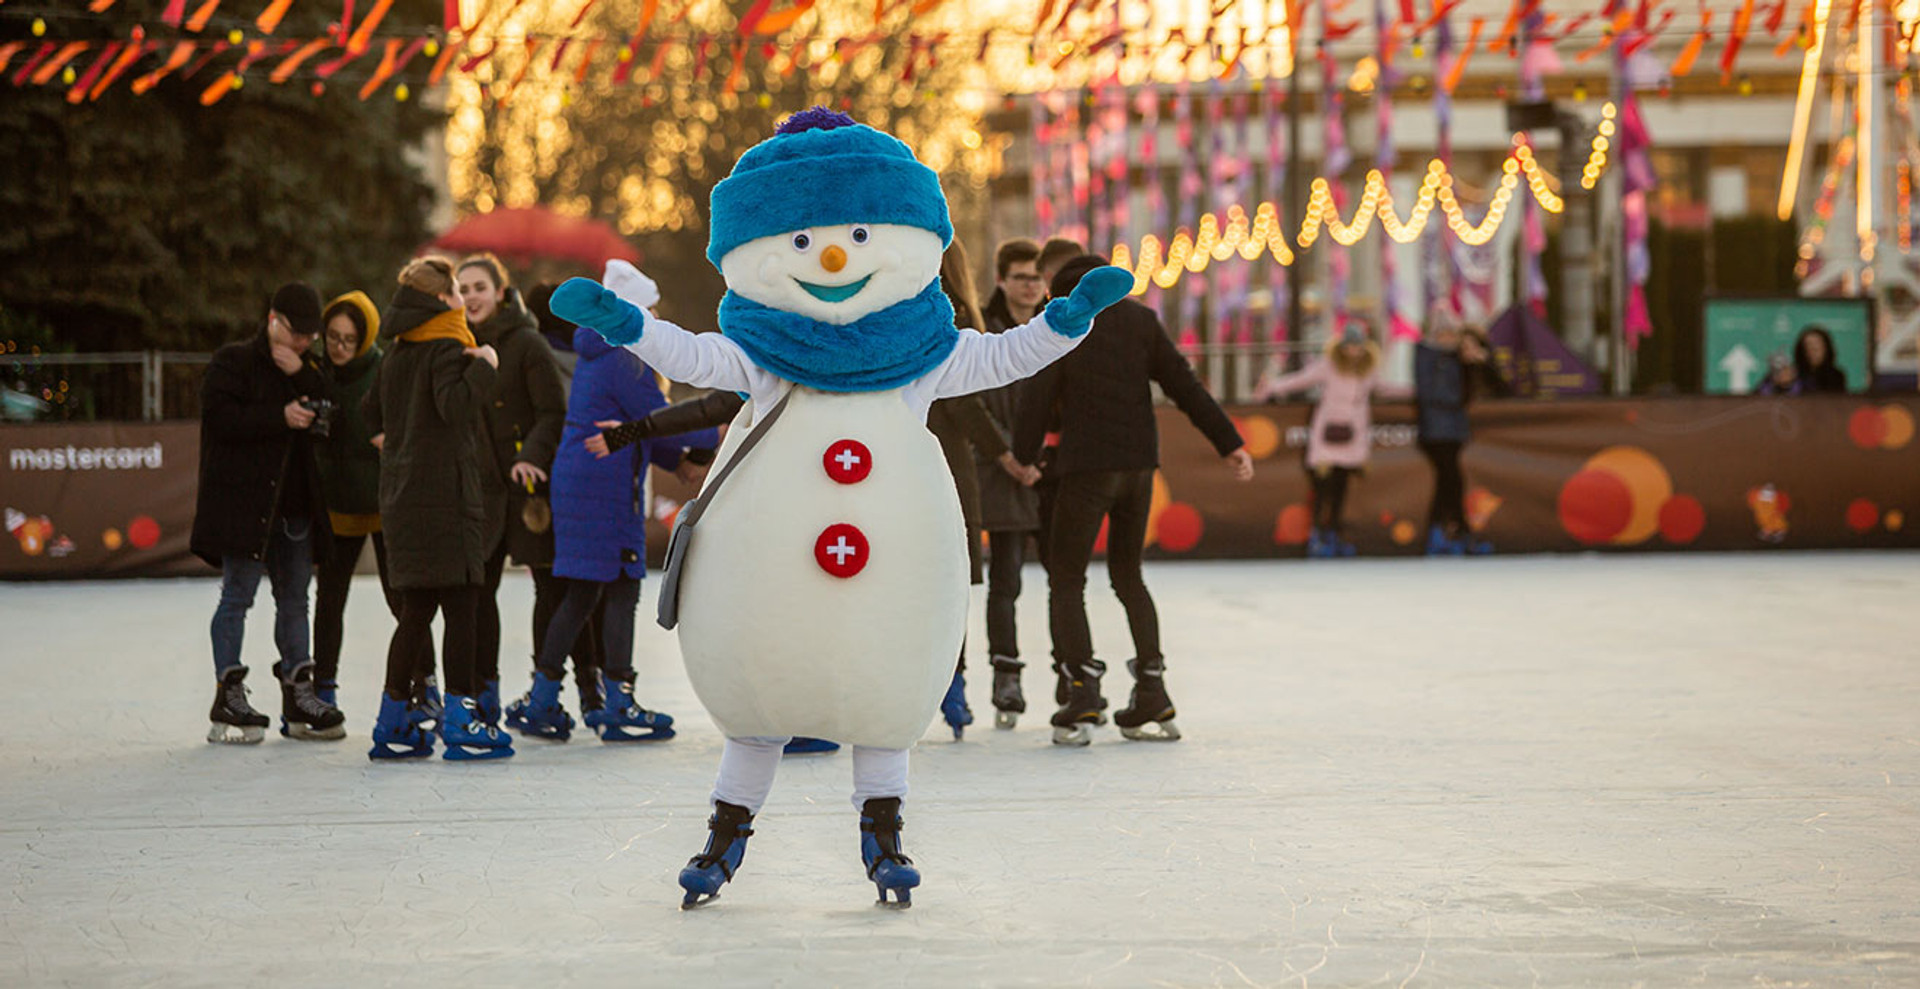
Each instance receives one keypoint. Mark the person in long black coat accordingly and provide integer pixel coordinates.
(427, 410)
(260, 511)
(1109, 449)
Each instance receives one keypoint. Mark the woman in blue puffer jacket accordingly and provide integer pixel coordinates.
(600, 541)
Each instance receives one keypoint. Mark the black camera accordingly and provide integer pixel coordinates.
(322, 410)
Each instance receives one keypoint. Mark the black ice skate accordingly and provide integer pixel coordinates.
(1073, 723)
(1148, 716)
(234, 720)
(303, 715)
(1008, 702)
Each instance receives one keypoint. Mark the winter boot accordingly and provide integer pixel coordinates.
(802, 745)
(302, 714)
(401, 730)
(234, 720)
(890, 870)
(953, 707)
(1441, 544)
(539, 713)
(1008, 702)
(727, 833)
(1148, 716)
(1073, 723)
(624, 720)
(468, 736)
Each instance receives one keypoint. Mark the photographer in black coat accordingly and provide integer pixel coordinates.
(1102, 398)
(260, 511)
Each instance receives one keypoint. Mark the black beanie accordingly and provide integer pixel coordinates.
(300, 304)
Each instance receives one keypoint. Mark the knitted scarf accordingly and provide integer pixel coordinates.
(877, 352)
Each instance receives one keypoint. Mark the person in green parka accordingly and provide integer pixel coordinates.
(350, 479)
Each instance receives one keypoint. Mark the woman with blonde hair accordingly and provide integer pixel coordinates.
(1339, 440)
(428, 403)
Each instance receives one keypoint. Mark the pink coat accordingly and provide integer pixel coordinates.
(1344, 398)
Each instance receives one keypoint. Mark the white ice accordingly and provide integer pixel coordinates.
(1631, 770)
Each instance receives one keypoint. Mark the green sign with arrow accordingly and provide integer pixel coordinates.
(1743, 335)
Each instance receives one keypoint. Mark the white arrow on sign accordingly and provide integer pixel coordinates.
(1739, 365)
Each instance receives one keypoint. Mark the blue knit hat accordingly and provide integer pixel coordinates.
(821, 169)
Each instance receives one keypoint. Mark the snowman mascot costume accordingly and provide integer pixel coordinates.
(826, 593)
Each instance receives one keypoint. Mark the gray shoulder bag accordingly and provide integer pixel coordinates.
(682, 536)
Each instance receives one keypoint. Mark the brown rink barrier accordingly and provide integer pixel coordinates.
(1842, 472)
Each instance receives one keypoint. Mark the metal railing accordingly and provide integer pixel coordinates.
(128, 384)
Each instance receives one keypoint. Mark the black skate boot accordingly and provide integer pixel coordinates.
(727, 833)
(1073, 723)
(303, 715)
(1148, 716)
(1008, 702)
(234, 720)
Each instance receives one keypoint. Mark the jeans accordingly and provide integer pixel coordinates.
(548, 592)
(1123, 497)
(620, 598)
(288, 565)
(413, 637)
(1006, 552)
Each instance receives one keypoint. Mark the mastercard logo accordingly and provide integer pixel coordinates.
(1623, 496)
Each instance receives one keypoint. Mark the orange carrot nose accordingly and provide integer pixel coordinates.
(833, 258)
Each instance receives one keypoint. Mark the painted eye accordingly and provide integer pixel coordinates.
(801, 242)
(860, 235)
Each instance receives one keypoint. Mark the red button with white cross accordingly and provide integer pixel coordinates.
(848, 461)
(841, 550)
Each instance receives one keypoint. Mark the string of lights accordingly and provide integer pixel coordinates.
(1164, 262)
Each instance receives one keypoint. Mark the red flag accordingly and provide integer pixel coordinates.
(176, 10)
(78, 91)
(1741, 21)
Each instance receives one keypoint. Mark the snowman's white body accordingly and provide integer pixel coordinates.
(774, 644)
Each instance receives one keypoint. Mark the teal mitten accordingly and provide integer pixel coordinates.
(585, 302)
(1098, 289)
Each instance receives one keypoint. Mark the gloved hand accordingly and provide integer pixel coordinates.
(586, 302)
(1098, 289)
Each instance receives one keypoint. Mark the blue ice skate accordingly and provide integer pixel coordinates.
(802, 745)
(953, 707)
(727, 834)
(1439, 544)
(539, 713)
(624, 720)
(428, 700)
(1320, 544)
(890, 870)
(1341, 547)
(468, 736)
(328, 692)
(488, 702)
(399, 732)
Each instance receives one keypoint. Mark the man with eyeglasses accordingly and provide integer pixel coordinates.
(260, 511)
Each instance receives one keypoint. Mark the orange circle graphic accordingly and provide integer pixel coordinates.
(1648, 487)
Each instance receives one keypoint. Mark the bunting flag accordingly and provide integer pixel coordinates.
(1683, 64)
(1742, 20)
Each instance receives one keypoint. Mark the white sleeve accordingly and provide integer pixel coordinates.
(704, 360)
(988, 360)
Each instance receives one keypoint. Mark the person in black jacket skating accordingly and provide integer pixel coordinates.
(260, 512)
(1109, 449)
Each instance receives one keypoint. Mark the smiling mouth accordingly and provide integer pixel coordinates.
(835, 293)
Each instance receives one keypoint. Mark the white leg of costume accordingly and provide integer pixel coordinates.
(878, 773)
(747, 766)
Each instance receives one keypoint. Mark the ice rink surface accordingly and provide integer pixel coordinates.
(1619, 771)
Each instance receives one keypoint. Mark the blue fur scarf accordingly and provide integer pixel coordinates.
(879, 351)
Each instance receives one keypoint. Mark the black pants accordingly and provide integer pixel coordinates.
(487, 626)
(1006, 553)
(620, 598)
(1122, 497)
(458, 608)
(1449, 506)
(548, 592)
(330, 605)
(1330, 495)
